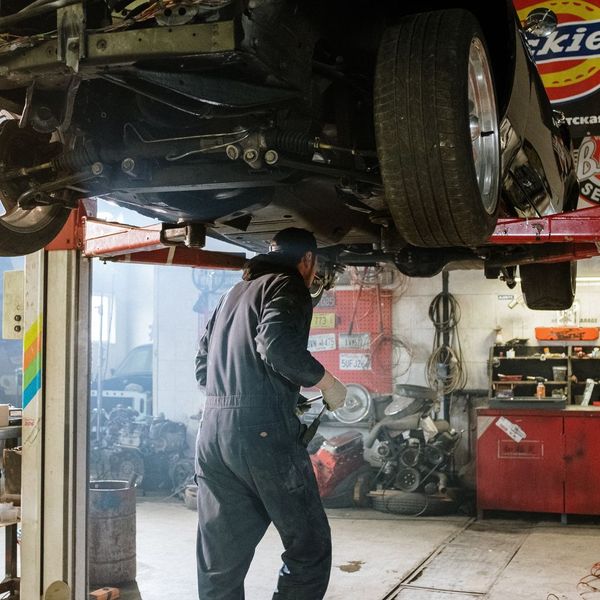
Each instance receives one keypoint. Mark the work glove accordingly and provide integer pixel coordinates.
(333, 390)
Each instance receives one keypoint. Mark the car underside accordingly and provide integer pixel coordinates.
(396, 133)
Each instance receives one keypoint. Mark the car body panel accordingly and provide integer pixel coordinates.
(277, 75)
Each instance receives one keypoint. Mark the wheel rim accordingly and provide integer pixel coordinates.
(483, 125)
(357, 405)
(16, 151)
(25, 220)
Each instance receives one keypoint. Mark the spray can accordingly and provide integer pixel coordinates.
(540, 391)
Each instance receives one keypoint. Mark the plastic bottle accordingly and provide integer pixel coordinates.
(540, 391)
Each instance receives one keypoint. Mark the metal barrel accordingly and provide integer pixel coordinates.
(111, 533)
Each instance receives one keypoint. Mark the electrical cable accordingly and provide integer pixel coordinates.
(30, 12)
(589, 585)
(445, 366)
(401, 355)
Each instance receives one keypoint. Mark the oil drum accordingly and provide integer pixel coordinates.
(111, 533)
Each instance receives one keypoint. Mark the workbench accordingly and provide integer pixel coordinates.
(539, 460)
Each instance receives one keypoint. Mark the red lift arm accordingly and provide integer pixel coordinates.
(575, 235)
(126, 243)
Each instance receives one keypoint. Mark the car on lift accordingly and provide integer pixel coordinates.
(396, 131)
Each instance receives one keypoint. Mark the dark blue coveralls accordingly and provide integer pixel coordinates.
(251, 466)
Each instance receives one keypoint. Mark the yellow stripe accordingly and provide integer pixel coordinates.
(33, 332)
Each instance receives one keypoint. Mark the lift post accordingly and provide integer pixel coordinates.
(56, 324)
(55, 347)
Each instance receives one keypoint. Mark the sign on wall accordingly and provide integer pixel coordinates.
(568, 60)
(588, 168)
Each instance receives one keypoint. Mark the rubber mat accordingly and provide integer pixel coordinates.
(415, 594)
(463, 568)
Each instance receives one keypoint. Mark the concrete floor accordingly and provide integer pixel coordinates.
(379, 556)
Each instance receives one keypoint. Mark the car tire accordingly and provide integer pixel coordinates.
(413, 504)
(23, 231)
(548, 286)
(423, 124)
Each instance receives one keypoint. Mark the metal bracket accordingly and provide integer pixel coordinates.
(70, 25)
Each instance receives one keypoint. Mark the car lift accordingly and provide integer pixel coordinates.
(56, 323)
(55, 384)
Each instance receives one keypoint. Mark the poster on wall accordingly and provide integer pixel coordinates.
(588, 169)
(568, 61)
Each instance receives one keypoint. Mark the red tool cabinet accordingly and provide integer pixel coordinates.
(539, 460)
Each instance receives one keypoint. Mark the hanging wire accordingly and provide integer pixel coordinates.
(445, 366)
(391, 354)
(389, 279)
(589, 586)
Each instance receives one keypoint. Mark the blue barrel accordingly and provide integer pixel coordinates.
(111, 533)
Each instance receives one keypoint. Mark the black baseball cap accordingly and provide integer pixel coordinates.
(293, 243)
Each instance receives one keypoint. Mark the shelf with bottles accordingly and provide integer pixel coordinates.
(529, 362)
(584, 376)
(518, 371)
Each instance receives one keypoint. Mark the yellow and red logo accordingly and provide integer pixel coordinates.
(569, 59)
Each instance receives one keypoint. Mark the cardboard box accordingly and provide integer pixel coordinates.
(11, 459)
(4, 413)
(106, 593)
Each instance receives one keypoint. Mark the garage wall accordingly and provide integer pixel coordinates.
(184, 299)
(484, 305)
(176, 339)
(130, 288)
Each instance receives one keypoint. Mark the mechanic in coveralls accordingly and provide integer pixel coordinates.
(251, 466)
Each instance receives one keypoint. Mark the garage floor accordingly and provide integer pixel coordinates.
(379, 556)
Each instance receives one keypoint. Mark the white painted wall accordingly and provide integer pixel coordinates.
(175, 391)
(178, 330)
(131, 288)
(484, 305)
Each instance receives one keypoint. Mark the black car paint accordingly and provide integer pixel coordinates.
(271, 65)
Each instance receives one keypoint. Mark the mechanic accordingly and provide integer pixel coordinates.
(251, 466)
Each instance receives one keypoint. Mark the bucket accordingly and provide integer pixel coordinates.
(111, 533)
(559, 373)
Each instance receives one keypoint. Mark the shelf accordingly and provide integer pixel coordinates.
(524, 382)
(8, 523)
(10, 433)
(531, 358)
(543, 362)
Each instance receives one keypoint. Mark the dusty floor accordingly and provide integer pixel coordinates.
(379, 556)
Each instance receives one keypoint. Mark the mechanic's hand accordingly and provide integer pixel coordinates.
(333, 390)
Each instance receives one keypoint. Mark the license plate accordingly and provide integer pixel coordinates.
(321, 342)
(358, 341)
(355, 362)
(323, 321)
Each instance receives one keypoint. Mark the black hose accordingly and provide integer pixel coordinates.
(35, 11)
